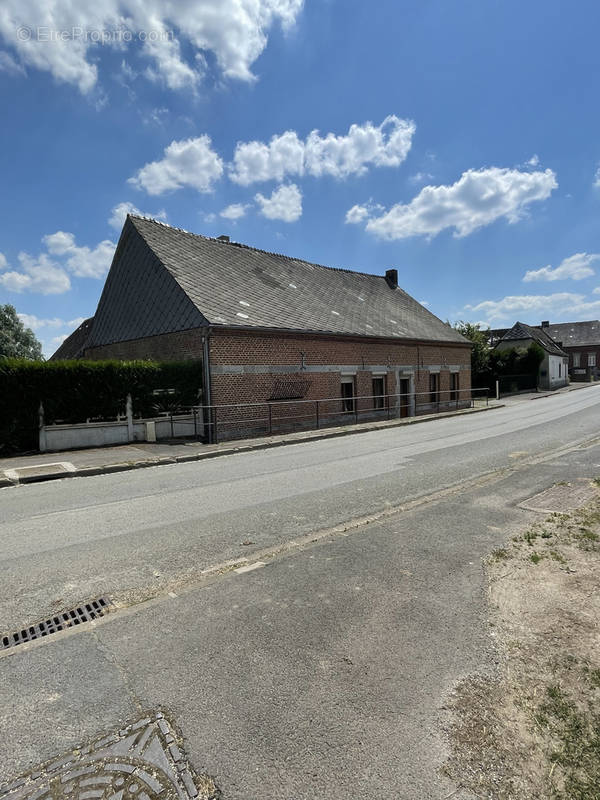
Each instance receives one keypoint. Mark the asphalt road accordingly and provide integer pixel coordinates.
(324, 673)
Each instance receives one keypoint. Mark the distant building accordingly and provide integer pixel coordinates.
(554, 369)
(581, 341)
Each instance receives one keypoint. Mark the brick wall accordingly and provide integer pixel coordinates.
(254, 367)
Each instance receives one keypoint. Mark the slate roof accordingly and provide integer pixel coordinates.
(521, 331)
(203, 281)
(73, 345)
(575, 334)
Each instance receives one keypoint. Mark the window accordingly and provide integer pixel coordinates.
(560, 369)
(434, 385)
(454, 385)
(378, 391)
(591, 359)
(576, 359)
(348, 394)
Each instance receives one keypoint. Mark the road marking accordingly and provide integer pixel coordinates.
(249, 567)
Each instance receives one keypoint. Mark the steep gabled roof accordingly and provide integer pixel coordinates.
(575, 334)
(227, 284)
(520, 331)
(73, 346)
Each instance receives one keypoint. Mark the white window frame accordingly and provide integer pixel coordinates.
(576, 360)
(591, 359)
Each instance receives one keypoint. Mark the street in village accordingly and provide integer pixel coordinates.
(289, 621)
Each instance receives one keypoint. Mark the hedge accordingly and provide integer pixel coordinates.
(73, 391)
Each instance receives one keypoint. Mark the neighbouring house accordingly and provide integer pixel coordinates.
(581, 342)
(73, 345)
(553, 371)
(269, 327)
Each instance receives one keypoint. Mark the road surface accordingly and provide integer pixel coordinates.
(323, 673)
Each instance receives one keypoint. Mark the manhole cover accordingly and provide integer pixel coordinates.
(562, 497)
(141, 762)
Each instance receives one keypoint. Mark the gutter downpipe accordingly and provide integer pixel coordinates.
(207, 394)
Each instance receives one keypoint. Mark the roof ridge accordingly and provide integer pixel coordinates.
(255, 249)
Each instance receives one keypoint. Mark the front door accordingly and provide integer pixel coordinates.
(404, 397)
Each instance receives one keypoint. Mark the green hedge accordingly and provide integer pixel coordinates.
(73, 391)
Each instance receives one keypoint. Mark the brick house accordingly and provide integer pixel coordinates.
(271, 328)
(581, 341)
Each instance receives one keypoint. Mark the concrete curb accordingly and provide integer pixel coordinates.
(126, 466)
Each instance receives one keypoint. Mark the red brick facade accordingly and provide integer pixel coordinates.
(249, 366)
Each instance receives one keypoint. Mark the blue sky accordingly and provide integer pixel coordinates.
(454, 140)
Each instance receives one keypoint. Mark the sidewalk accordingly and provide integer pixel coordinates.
(136, 455)
(510, 399)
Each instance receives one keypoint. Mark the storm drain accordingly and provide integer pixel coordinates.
(66, 619)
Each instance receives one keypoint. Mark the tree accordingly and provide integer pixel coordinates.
(17, 341)
(480, 352)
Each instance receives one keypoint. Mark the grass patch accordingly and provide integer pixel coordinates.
(575, 748)
(535, 557)
(500, 554)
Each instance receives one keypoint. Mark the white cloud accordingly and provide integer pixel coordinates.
(576, 267)
(359, 213)
(385, 145)
(534, 160)
(356, 215)
(285, 203)
(35, 323)
(119, 213)
(478, 198)
(10, 65)
(597, 178)
(189, 162)
(509, 308)
(41, 275)
(81, 261)
(234, 211)
(56, 341)
(257, 161)
(44, 274)
(62, 37)
(209, 218)
(420, 178)
(3, 261)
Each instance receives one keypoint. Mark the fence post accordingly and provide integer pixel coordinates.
(388, 406)
(317, 414)
(129, 415)
(497, 390)
(270, 418)
(216, 432)
(356, 409)
(42, 429)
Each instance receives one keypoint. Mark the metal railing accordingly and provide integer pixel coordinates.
(247, 420)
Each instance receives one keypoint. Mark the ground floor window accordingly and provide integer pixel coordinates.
(378, 391)
(591, 359)
(559, 370)
(454, 385)
(434, 387)
(348, 394)
(576, 359)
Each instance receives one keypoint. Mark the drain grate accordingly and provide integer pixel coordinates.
(66, 619)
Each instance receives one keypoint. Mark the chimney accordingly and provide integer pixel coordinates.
(223, 238)
(391, 276)
(545, 323)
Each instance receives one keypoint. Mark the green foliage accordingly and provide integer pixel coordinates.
(517, 360)
(480, 352)
(74, 391)
(17, 341)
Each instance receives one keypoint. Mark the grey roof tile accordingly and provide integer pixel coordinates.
(221, 277)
